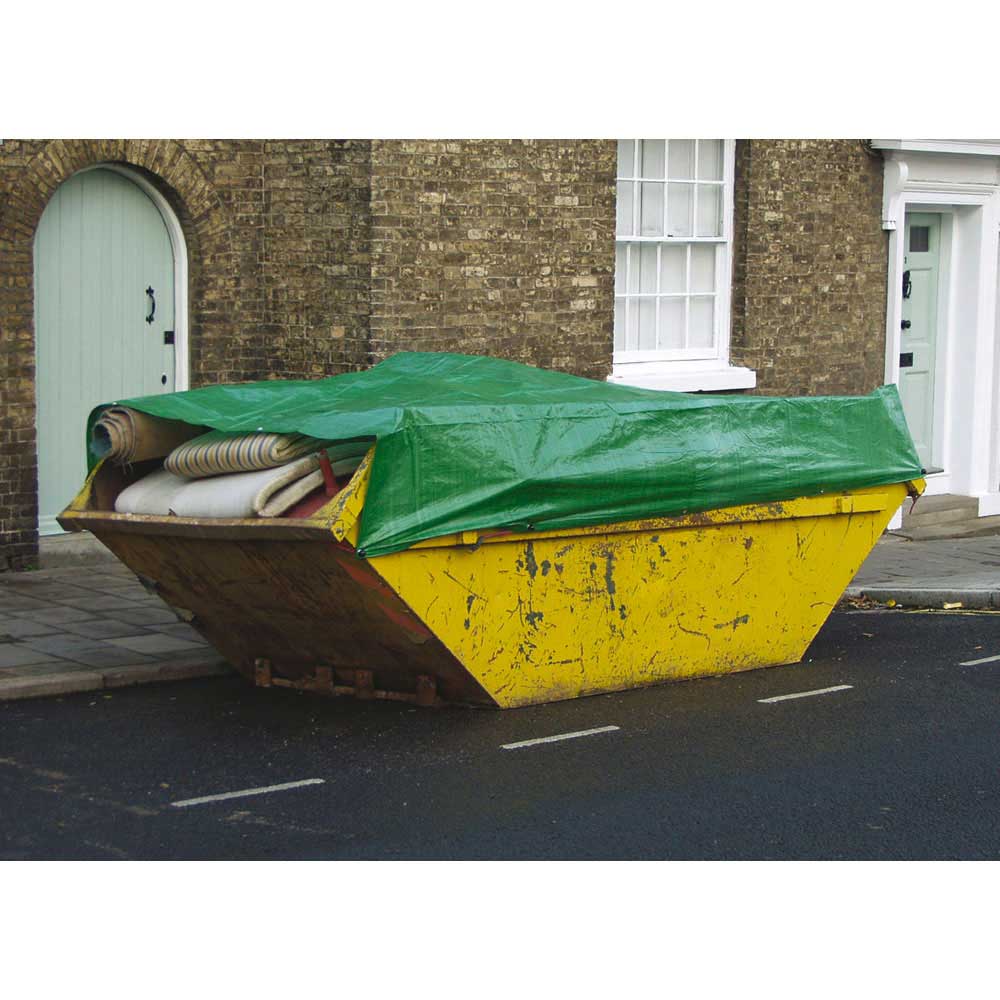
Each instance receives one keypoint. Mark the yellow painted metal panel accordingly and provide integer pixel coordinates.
(862, 500)
(549, 616)
(343, 513)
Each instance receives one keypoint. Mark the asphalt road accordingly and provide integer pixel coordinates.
(901, 764)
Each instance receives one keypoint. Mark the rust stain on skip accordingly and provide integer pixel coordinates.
(741, 620)
(529, 560)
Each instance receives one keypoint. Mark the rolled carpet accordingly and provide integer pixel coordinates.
(125, 435)
(217, 453)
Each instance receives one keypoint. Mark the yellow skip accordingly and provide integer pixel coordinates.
(498, 618)
(550, 615)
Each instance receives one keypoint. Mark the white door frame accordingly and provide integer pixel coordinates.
(179, 246)
(967, 311)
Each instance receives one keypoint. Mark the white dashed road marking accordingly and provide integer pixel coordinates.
(561, 736)
(805, 694)
(247, 791)
(974, 663)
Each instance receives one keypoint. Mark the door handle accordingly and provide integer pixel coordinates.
(905, 325)
(152, 307)
(907, 285)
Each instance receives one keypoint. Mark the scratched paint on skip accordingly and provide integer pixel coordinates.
(529, 560)
(609, 575)
(601, 611)
(740, 620)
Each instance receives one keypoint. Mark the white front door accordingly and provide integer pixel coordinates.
(104, 319)
(918, 377)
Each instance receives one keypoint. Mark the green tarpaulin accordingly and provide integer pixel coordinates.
(467, 443)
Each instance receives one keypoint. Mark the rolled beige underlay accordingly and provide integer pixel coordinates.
(281, 494)
(264, 493)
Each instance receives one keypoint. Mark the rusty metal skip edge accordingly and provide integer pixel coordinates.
(495, 619)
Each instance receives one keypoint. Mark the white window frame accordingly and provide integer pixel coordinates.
(691, 368)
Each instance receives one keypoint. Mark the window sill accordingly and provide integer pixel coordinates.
(680, 376)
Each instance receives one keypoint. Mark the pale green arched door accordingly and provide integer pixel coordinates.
(104, 318)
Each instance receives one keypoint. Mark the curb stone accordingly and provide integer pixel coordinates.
(928, 597)
(69, 682)
(115, 677)
(75, 681)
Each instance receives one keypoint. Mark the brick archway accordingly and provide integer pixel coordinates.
(213, 287)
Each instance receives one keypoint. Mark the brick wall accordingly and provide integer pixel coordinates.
(495, 247)
(810, 264)
(314, 230)
(277, 236)
(309, 258)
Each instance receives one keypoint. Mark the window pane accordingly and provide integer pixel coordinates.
(653, 158)
(702, 317)
(626, 157)
(647, 323)
(710, 159)
(920, 239)
(647, 267)
(681, 159)
(652, 210)
(624, 226)
(632, 285)
(679, 207)
(619, 324)
(621, 259)
(709, 210)
(671, 323)
(703, 267)
(632, 325)
(673, 267)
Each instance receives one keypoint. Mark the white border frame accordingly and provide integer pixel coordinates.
(969, 147)
(973, 208)
(714, 373)
(182, 376)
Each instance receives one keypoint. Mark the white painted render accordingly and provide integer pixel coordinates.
(961, 181)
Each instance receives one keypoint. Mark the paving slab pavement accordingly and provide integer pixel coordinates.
(88, 626)
(962, 571)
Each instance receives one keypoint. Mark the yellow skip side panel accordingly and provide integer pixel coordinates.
(555, 615)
